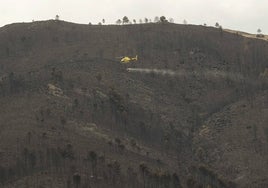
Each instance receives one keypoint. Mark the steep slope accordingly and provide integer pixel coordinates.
(72, 114)
(234, 141)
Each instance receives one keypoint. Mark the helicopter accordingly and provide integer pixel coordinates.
(127, 59)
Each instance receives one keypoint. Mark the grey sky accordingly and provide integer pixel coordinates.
(244, 15)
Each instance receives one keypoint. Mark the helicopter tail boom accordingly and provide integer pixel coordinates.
(135, 58)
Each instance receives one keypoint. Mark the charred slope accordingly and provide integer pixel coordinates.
(72, 115)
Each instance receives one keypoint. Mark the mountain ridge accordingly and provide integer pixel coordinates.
(80, 105)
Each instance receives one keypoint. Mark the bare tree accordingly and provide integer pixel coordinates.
(145, 20)
(163, 19)
(156, 19)
(144, 169)
(92, 157)
(125, 20)
(171, 20)
(259, 33)
(118, 22)
(77, 179)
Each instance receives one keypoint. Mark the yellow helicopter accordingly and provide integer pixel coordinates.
(127, 59)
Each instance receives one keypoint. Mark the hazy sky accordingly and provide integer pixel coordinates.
(245, 15)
